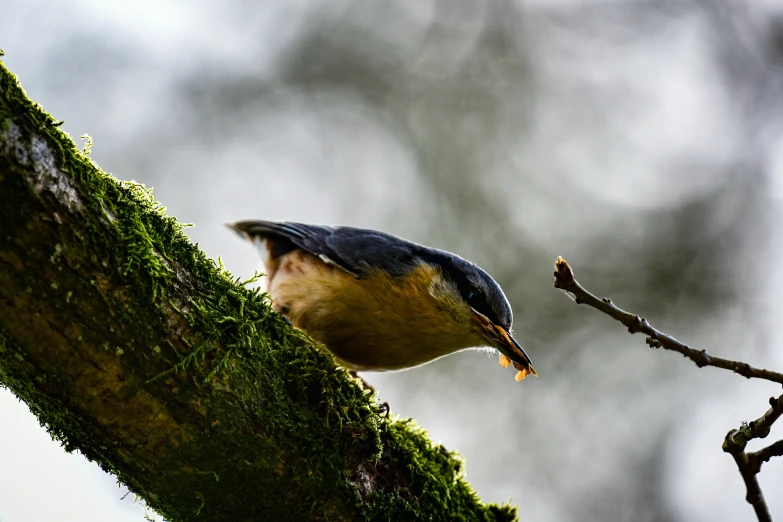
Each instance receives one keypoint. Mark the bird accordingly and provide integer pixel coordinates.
(378, 302)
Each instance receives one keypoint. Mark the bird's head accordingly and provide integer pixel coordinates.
(478, 305)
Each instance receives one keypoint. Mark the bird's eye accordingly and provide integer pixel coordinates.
(471, 295)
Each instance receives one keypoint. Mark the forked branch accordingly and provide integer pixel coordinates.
(749, 464)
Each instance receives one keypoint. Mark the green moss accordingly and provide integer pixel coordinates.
(261, 413)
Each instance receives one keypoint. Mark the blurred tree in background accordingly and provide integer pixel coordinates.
(640, 140)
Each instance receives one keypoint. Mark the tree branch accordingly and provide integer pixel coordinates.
(757, 458)
(565, 280)
(749, 464)
(736, 440)
(754, 496)
(131, 346)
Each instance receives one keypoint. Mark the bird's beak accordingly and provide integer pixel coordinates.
(506, 344)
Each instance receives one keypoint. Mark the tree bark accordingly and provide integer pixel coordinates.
(132, 347)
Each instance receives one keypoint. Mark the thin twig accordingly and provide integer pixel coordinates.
(754, 495)
(736, 440)
(757, 458)
(564, 280)
(749, 464)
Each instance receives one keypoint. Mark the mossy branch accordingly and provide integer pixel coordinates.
(134, 348)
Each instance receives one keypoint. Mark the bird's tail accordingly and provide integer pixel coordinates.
(270, 238)
(273, 239)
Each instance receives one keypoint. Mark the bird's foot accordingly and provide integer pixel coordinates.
(383, 409)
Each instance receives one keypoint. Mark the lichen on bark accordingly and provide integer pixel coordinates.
(134, 348)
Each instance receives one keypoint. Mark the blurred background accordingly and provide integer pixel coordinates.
(641, 140)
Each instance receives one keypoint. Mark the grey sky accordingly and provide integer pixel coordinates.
(593, 130)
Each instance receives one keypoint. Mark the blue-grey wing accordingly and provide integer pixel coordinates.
(355, 250)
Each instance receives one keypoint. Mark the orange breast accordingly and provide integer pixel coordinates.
(374, 323)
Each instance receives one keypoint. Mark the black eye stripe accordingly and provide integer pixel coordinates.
(475, 298)
(479, 303)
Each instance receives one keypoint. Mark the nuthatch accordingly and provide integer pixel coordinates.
(379, 302)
